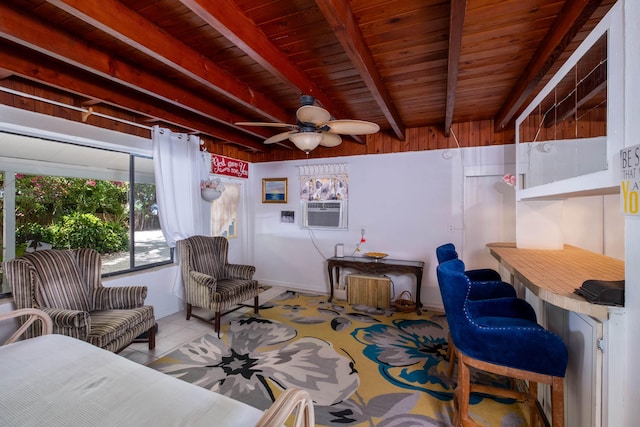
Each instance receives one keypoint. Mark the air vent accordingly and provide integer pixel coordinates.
(324, 215)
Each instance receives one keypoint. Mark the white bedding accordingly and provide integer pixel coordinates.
(54, 380)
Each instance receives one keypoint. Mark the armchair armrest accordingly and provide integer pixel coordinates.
(203, 279)
(239, 271)
(73, 323)
(119, 297)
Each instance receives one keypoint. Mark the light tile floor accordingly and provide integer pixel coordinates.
(175, 330)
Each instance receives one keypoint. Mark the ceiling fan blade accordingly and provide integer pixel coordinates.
(275, 125)
(352, 127)
(330, 139)
(312, 114)
(279, 137)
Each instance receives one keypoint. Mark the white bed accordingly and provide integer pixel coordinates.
(55, 380)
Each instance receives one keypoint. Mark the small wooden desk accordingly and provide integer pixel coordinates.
(553, 275)
(376, 266)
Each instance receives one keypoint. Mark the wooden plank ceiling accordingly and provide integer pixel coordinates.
(199, 66)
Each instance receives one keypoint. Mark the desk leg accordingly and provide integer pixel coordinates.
(330, 268)
(418, 288)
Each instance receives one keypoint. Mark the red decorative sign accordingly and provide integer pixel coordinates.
(221, 165)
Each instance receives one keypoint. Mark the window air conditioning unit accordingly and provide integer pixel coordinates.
(327, 214)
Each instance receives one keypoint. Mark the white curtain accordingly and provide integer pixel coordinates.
(224, 212)
(178, 168)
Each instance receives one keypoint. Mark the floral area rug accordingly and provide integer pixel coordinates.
(362, 366)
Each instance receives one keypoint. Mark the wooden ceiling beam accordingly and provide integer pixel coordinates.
(14, 60)
(27, 31)
(571, 18)
(339, 15)
(229, 20)
(456, 25)
(117, 20)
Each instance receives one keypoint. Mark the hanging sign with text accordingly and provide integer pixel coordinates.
(221, 165)
(630, 182)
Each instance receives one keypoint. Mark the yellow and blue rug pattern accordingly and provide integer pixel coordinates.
(362, 366)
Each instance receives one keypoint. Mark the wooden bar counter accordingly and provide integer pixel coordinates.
(553, 275)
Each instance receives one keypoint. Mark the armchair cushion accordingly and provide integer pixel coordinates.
(60, 283)
(208, 256)
(233, 289)
(111, 327)
(517, 344)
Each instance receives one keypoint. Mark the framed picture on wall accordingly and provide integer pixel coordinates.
(274, 190)
(287, 217)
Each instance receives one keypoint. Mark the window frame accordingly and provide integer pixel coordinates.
(10, 165)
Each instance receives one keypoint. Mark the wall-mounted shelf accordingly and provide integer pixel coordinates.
(569, 138)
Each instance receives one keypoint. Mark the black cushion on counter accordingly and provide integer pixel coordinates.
(605, 292)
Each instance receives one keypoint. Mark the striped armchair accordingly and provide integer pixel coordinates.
(66, 285)
(210, 282)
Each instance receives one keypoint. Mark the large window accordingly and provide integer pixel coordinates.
(64, 196)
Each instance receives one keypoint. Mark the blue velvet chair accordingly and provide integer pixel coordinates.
(487, 284)
(448, 251)
(489, 338)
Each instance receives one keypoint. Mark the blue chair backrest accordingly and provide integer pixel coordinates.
(446, 252)
(454, 288)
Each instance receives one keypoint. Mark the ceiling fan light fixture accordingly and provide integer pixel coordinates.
(306, 141)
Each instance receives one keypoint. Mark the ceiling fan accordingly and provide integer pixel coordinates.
(314, 127)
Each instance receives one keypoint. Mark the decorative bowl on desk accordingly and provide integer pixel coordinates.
(376, 255)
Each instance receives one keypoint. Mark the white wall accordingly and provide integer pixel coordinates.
(410, 203)
(631, 388)
(407, 202)
(594, 223)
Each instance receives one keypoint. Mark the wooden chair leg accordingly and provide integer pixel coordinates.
(152, 337)
(557, 402)
(256, 304)
(189, 311)
(216, 326)
(464, 386)
(533, 403)
(452, 357)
